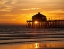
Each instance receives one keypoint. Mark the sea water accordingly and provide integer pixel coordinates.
(18, 37)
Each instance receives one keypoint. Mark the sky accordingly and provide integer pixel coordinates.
(18, 11)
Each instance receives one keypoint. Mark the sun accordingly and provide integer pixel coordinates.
(36, 22)
(36, 45)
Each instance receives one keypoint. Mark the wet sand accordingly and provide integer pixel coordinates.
(34, 45)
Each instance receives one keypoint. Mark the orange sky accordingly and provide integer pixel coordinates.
(18, 11)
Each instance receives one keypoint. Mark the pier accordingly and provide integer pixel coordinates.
(40, 21)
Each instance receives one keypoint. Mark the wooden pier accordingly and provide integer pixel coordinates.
(40, 21)
(47, 24)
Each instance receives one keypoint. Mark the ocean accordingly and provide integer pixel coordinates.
(20, 37)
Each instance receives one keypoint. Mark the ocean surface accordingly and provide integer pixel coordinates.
(20, 37)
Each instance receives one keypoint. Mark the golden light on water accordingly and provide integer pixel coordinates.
(36, 45)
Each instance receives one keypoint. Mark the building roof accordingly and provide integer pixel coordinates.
(39, 15)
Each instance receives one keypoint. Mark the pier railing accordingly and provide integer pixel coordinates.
(46, 24)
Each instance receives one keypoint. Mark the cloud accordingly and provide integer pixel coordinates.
(8, 1)
(31, 9)
(8, 17)
(3, 1)
(6, 5)
(11, 1)
(10, 9)
(14, 2)
(56, 11)
(6, 8)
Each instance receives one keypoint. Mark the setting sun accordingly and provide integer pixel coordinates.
(36, 22)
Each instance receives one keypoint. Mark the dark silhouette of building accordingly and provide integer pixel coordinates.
(40, 21)
(39, 17)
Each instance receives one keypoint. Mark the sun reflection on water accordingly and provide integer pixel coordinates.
(36, 45)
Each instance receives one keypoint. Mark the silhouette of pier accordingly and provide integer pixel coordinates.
(40, 21)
